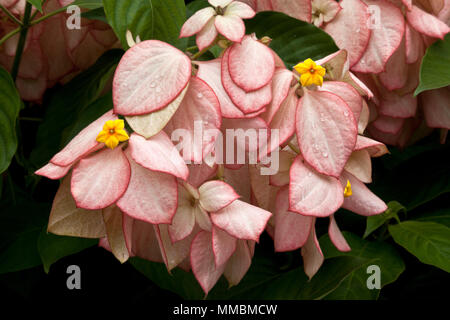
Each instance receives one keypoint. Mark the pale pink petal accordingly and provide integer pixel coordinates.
(248, 102)
(336, 236)
(141, 239)
(360, 165)
(375, 148)
(196, 22)
(150, 76)
(362, 201)
(239, 9)
(184, 220)
(66, 219)
(350, 20)
(199, 173)
(291, 229)
(114, 231)
(299, 9)
(52, 171)
(241, 220)
(337, 64)
(426, 23)
(363, 118)
(395, 74)
(223, 246)
(311, 193)
(150, 124)
(251, 64)
(388, 124)
(83, 143)
(263, 192)
(220, 3)
(158, 154)
(151, 196)
(101, 179)
(210, 72)
(385, 39)
(436, 107)
(414, 45)
(207, 35)
(173, 253)
(215, 195)
(239, 263)
(347, 93)
(246, 135)
(197, 117)
(397, 106)
(203, 263)
(312, 254)
(281, 83)
(240, 181)
(231, 27)
(326, 131)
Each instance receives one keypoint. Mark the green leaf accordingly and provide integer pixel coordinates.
(376, 253)
(9, 111)
(195, 6)
(293, 40)
(428, 241)
(52, 247)
(374, 222)
(441, 216)
(435, 69)
(67, 102)
(88, 4)
(37, 4)
(20, 227)
(181, 282)
(96, 14)
(150, 19)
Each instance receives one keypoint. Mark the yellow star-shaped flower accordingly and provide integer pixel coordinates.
(310, 73)
(113, 132)
(348, 189)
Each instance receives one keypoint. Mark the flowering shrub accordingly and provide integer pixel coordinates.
(196, 151)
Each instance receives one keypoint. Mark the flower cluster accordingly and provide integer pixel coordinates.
(182, 204)
(53, 53)
(386, 41)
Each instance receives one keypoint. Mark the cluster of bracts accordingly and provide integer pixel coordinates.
(189, 209)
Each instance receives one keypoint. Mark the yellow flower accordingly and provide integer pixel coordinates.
(310, 72)
(113, 132)
(348, 189)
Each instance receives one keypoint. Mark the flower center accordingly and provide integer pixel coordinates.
(113, 133)
(348, 189)
(310, 73)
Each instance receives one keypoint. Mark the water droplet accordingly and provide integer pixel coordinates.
(152, 85)
(325, 155)
(357, 30)
(346, 113)
(158, 89)
(205, 123)
(309, 174)
(322, 119)
(199, 95)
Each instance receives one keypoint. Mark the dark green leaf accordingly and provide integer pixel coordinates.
(180, 282)
(195, 6)
(150, 19)
(96, 14)
(293, 40)
(377, 253)
(9, 110)
(88, 4)
(428, 241)
(374, 222)
(37, 4)
(20, 227)
(435, 69)
(441, 216)
(67, 102)
(52, 247)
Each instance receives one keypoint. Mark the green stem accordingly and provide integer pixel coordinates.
(51, 14)
(30, 119)
(22, 39)
(294, 148)
(201, 52)
(10, 15)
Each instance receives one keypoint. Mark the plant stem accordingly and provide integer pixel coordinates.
(294, 148)
(30, 119)
(22, 39)
(10, 15)
(201, 52)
